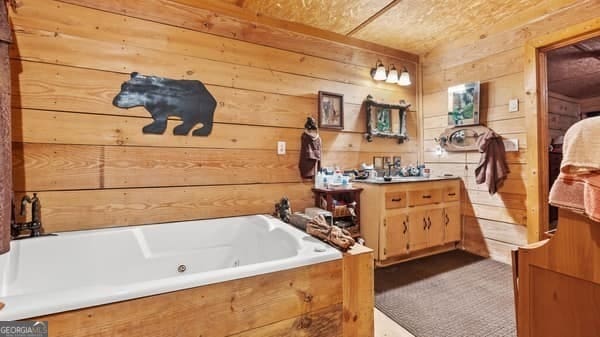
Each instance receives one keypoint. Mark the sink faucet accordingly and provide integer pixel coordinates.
(35, 225)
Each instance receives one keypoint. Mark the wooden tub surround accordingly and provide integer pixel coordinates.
(323, 300)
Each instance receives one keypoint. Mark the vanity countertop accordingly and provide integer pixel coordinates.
(399, 180)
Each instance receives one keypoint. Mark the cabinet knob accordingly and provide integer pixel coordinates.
(447, 218)
(429, 223)
(424, 223)
(451, 194)
(405, 227)
(396, 199)
(427, 196)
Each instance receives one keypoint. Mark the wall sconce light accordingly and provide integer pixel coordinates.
(404, 77)
(380, 74)
(392, 76)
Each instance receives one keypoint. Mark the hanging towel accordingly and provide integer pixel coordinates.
(581, 147)
(492, 168)
(577, 187)
(310, 154)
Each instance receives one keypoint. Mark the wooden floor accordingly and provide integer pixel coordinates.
(385, 327)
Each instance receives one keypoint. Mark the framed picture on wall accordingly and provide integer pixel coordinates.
(331, 110)
(463, 104)
(378, 163)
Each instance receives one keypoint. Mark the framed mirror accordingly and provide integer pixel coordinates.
(386, 120)
(463, 104)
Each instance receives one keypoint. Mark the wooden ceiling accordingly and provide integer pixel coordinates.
(574, 70)
(415, 26)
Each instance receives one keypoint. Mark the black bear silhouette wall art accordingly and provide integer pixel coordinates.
(164, 97)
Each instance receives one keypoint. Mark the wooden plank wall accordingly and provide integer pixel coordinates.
(560, 120)
(90, 161)
(493, 225)
(5, 144)
(590, 104)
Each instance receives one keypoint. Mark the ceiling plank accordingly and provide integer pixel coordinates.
(373, 17)
(587, 52)
(339, 16)
(224, 19)
(419, 26)
(256, 22)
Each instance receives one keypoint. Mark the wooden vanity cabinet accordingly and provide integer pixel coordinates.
(452, 224)
(402, 221)
(395, 232)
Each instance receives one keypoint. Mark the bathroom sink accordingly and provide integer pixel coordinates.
(398, 178)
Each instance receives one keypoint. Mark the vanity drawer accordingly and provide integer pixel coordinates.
(424, 197)
(395, 199)
(451, 193)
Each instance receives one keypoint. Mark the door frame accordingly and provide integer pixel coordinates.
(536, 112)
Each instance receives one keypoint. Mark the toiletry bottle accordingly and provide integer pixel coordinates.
(337, 178)
(318, 178)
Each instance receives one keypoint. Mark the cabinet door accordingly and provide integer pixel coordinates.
(435, 228)
(452, 222)
(417, 230)
(396, 235)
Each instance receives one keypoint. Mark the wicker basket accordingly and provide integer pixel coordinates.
(340, 211)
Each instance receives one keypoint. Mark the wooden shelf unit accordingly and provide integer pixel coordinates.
(347, 195)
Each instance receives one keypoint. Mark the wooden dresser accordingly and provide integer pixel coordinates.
(405, 220)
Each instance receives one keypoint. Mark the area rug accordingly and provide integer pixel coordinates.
(455, 294)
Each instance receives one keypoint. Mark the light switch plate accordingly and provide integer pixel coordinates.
(513, 105)
(511, 145)
(280, 148)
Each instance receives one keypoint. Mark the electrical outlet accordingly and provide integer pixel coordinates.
(511, 145)
(280, 148)
(513, 105)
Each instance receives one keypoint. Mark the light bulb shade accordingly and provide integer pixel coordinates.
(392, 76)
(380, 74)
(404, 78)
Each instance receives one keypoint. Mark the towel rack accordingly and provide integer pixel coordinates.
(461, 138)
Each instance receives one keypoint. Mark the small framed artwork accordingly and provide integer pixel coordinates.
(378, 163)
(463, 104)
(331, 110)
(397, 160)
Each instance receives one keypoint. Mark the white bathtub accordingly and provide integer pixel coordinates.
(74, 270)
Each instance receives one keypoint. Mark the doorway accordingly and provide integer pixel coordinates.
(573, 82)
(564, 75)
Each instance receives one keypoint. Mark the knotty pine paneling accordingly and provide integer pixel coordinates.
(93, 166)
(91, 129)
(241, 303)
(502, 79)
(237, 23)
(87, 52)
(495, 57)
(47, 167)
(76, 21)
(101, 208)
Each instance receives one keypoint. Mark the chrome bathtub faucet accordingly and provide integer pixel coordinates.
(35, 225)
